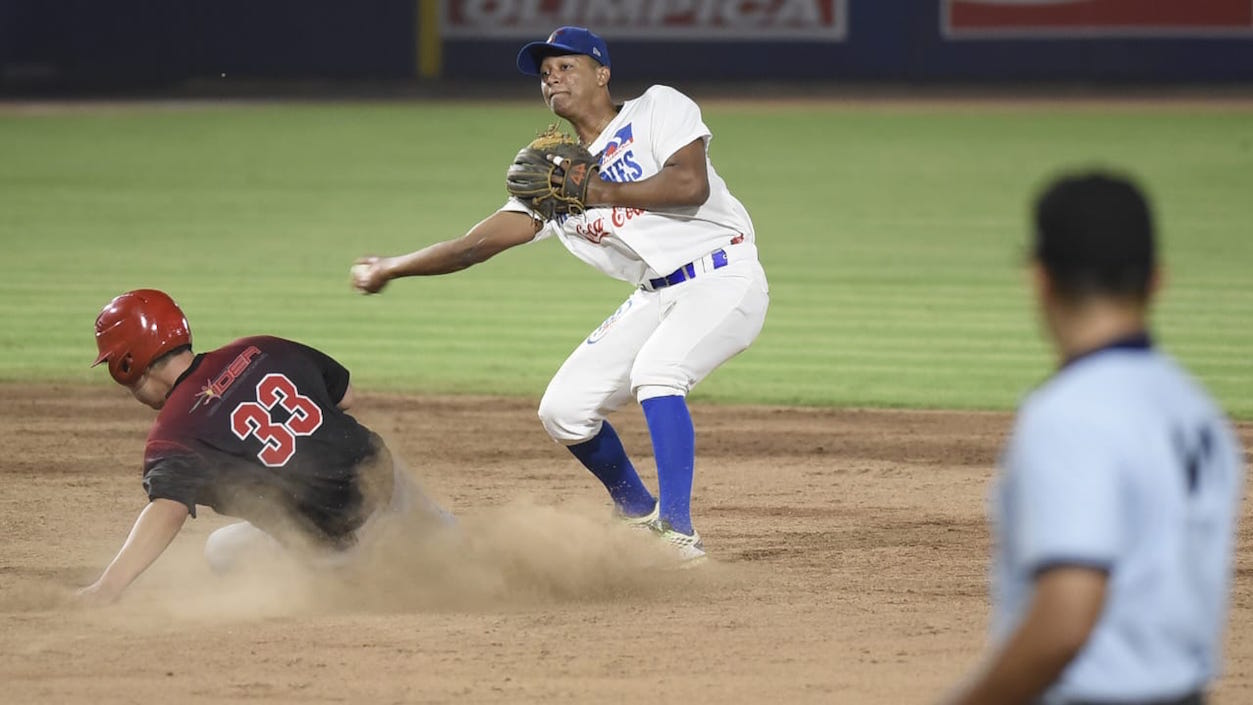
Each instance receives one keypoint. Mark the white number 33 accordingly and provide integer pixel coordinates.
(252, 418)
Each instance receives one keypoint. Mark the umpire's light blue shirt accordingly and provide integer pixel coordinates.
(1121, 461)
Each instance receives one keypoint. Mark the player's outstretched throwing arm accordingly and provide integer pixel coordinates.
(491, 236)
(683, 181)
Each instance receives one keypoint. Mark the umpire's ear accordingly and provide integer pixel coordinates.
(1040, 282)
(1157, 281)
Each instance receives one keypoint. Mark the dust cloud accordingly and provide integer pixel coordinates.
(508, 557)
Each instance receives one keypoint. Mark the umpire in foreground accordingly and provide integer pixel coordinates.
(1116, 506)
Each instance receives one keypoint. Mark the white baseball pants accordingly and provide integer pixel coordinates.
(658, 343)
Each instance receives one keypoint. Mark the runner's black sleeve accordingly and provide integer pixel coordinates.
(182, 478)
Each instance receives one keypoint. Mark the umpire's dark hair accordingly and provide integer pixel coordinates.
(1094, 236)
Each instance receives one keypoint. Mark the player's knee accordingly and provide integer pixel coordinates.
(565, 422)
(228, 546)
(652, 391)
(649, 381)
(218, 550)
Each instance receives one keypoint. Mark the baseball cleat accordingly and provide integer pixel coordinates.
(639, 522)
(689, 548)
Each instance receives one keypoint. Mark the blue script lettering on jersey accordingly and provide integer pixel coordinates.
(617, 161)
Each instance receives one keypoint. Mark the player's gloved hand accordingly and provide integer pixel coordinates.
(369, 274)
(551, 174)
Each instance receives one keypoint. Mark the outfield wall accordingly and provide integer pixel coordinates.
(968, 41)
(137, 42)
(879, 40)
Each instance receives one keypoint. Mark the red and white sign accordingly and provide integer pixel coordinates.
(978, 19)
(762, 20)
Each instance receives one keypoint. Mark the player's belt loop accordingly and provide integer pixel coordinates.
(714, 260)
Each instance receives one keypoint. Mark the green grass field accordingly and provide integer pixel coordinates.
(893, 240)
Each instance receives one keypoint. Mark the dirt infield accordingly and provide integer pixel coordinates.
(851, 559)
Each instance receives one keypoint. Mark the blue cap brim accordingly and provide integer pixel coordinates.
(532, 54)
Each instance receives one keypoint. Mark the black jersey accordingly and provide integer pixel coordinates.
(253, 430)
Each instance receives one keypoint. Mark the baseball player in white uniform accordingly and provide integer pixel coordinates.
(1117, 504)
(659, 218)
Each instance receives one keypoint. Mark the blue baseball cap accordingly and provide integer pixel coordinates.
(566, 40)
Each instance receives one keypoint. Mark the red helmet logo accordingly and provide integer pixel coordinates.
(135, 329)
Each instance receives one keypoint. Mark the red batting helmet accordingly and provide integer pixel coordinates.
(137, 328)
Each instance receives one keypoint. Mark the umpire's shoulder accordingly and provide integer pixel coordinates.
(1053, 418)
(1085, 393)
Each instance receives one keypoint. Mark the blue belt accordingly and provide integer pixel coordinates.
(717, 260)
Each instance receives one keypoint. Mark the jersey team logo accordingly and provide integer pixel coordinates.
(217, 387)
(621, 140)
(617, 161)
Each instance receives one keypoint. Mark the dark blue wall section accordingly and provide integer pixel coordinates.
(144, 42)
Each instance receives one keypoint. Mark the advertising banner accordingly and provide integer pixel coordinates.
(668, 20)
(1054, 19)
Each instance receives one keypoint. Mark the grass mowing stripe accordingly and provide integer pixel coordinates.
(905, 289)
